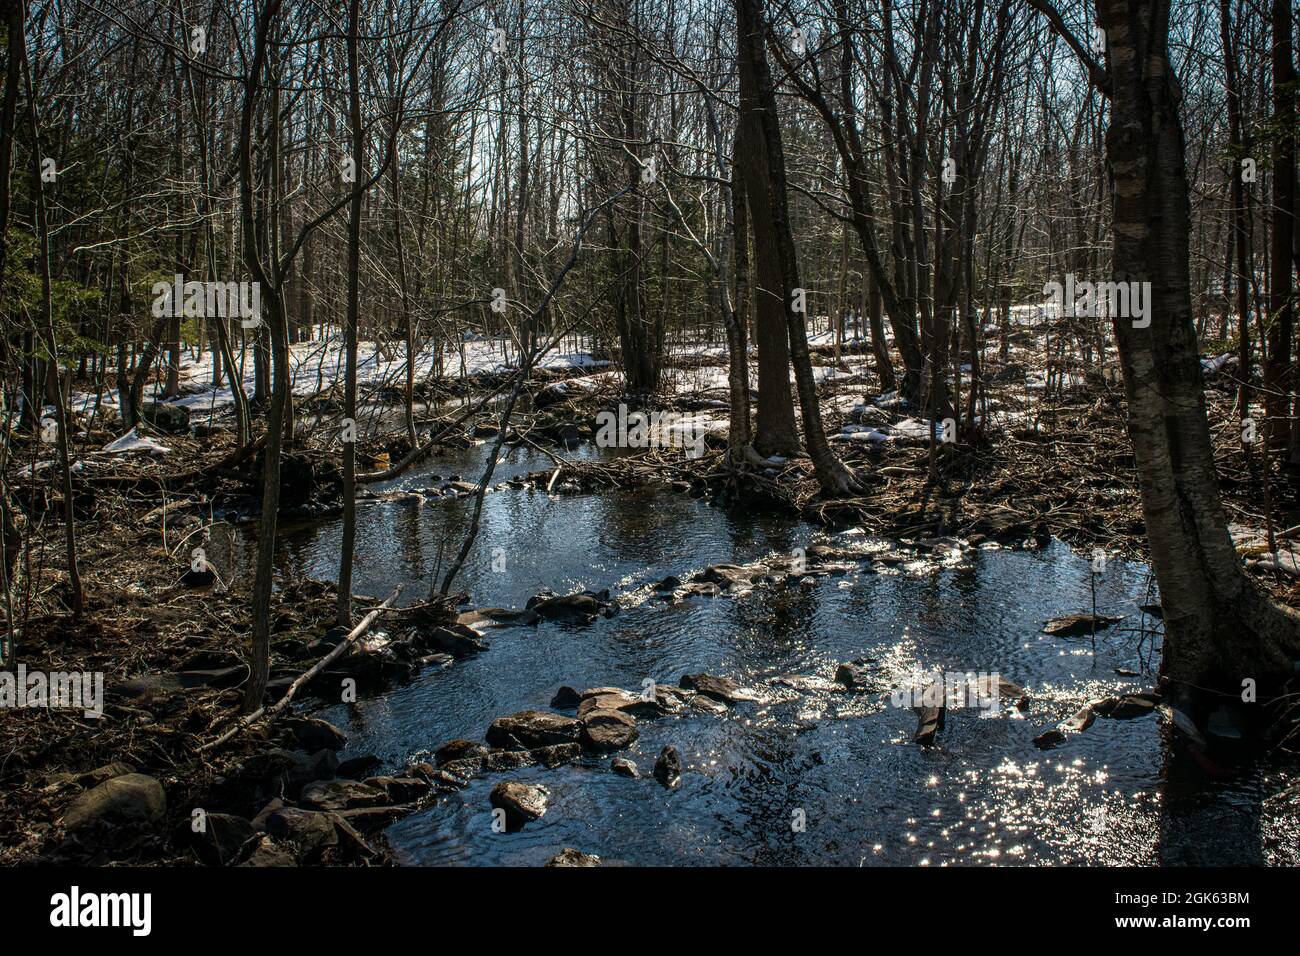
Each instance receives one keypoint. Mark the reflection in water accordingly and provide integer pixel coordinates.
(841, 763)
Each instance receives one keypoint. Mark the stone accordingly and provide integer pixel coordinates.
(308, 832)
(522, 803)
(722, 689)
(341, 795)
(314, 734)
(1078, 625)
(269, 853)
(568, 608)
(608, 730)
(606, 698)
(172, 419)
(625, 768)
(1049, 738)
(226, 840)
(458, 750)
(855, 674)
(1124, 708)
(566, 698)
(530, 729)
(399, 789)
(668, 768)
(356, 767)
(131, 799)
(571, 857)
(458, 640)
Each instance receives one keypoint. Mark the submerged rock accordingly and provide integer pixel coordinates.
(522, 803)
(1126, 707)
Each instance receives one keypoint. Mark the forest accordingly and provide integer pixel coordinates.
(570, 433)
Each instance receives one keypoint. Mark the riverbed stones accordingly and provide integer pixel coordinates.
(530, 729)
(605, 730)
(606, 698)
(131, 799)
(522, 803)
(625, 768)
(668, 767)
(571, 857)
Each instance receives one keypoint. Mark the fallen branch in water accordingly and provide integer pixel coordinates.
(264, 712)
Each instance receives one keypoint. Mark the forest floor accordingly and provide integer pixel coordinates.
(1049, 462)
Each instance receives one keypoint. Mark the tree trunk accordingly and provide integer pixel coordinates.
(1220, 629)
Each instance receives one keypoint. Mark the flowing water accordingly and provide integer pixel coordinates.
(813, 776)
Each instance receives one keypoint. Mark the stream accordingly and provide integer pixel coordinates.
(808, 776)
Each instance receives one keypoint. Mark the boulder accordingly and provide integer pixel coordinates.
(530, 729)
(608, 730)
(131, 799)
(571, 857)
(522, 803)
(606, 698)
(668, 768)
(356, 767)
